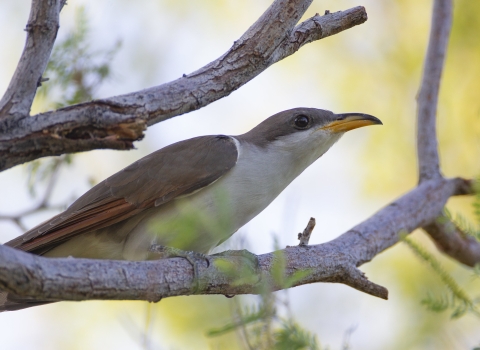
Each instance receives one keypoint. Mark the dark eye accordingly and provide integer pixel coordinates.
(301, 121)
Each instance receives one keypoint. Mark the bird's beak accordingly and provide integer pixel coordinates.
(349, 121)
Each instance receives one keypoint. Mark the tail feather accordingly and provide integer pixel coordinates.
(10, 302)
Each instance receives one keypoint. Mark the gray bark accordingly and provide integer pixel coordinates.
(427, 99)
(447, 237)
(42, 27)
(41, 278)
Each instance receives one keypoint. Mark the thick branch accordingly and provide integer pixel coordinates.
(336, 261)
(118, 121)
(42, 28)
(427, 99)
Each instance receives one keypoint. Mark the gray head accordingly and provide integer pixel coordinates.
(307, 121)
(305, 133)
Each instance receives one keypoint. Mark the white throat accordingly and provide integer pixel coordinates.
(262, 173)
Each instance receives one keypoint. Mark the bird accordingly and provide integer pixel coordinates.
(191, 195)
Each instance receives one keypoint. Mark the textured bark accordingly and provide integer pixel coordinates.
(427, 99)
(41, 278)
(118, 121)
(452, 241)
(448, 238)
(42, 27)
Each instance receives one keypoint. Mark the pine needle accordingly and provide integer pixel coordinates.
(459, 299)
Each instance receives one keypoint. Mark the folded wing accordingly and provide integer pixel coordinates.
(176, 170)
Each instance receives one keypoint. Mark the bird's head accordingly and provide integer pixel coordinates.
(306, 133)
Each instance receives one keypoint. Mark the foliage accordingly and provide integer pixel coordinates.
(260, 326)
(463, 223)
(292, 336)
(41, 171)
(75, 70)
(74, 73)
(456, 299)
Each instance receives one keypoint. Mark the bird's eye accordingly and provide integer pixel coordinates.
(301, 121)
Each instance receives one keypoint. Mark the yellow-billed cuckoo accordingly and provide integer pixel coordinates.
(191, 195)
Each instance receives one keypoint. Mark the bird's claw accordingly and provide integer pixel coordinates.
(251, 258)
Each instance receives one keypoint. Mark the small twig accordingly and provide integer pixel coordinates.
(347, 335)
(242, 329)
(304, 237)
(43, 204)
(51, 182)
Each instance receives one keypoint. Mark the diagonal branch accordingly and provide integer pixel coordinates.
(427, 98)
(42, 28)
(118, 121)
(30, 276)
(450, 240)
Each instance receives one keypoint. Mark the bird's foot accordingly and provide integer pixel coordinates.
(249, 256)
(246, 270)
(194, 258)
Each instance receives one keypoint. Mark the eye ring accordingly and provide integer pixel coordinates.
(301, 121)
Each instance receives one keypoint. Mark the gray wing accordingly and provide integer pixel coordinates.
(176, 170)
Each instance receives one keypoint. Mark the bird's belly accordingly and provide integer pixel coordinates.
(194, 223)
(200, 221)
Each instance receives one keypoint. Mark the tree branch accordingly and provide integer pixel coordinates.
(427, 99)
(44, 202)
(118, 121)
(448, 238)
(304, 237)
(41, 278)
(42, 27)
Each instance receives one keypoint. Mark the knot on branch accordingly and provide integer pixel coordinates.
(44, 27)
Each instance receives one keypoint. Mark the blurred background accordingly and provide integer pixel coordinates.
(373, 68)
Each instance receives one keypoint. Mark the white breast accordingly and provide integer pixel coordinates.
(259, 176)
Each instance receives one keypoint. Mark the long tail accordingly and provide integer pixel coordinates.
(10, 302)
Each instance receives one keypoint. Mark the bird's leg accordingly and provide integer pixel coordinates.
(194, 258)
